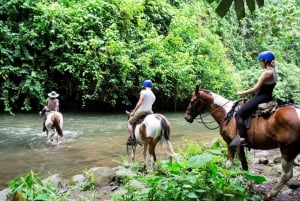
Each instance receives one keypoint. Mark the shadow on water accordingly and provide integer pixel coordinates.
(90, 140)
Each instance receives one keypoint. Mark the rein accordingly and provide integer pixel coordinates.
(208, 122)
(205, 123)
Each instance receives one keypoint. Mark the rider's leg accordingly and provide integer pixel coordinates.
(132, 121)
(130, 130)
(245, 112)
(242, 130)
(43, 111)
(44, 126)
(131, 139)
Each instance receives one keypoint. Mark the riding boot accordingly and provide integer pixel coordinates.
(243, 134)
(131, 141)
(234, 143)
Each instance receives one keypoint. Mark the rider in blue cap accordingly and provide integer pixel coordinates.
(142, 108)
(263, 90)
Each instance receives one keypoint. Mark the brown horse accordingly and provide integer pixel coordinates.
(280, 130)
(153, 129)
(54, 124)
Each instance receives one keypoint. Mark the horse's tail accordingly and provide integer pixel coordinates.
(57, 124)
(165, 133)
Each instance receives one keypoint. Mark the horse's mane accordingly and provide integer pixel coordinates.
(230, 114)
(221, 101)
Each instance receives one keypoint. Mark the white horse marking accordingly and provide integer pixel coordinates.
(223, 102)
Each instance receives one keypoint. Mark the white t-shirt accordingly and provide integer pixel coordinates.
(149, 99)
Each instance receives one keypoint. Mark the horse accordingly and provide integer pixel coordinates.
(53, 125)
(152, 129)
(280, 130)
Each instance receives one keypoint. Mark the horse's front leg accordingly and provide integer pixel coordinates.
(131, 149)
(242, 158)
(230, 157)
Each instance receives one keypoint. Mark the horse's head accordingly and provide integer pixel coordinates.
(197, 104)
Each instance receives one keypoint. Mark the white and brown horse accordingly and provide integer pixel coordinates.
(53, 125)
(153, 129)
(280, 130)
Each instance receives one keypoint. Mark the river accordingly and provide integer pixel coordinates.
(90, 140)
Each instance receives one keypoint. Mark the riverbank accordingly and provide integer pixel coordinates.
(107, 181)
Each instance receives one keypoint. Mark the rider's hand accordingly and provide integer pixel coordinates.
(240, 93)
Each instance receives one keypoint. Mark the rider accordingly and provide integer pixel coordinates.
(263, 90)
(142, 108)
(52, 104)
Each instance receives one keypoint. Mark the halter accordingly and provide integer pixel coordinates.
(201, 118)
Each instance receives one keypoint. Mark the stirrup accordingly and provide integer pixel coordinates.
(244, 143)
(235, 142)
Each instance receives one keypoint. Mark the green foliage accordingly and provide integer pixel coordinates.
(271, 28)
(89, 183)
(98, 52)
(199, 177)
(101, 51)
(31, 187)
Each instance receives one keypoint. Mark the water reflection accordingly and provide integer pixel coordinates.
(90, 140)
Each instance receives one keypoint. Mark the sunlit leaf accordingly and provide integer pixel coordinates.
(254, 177)
(200, 160)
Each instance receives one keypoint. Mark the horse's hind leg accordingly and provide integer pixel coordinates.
(286, 174)
(152, 155)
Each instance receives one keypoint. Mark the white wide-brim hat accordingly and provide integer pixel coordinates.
(53, 94)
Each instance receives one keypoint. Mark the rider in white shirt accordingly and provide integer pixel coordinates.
(142, 108)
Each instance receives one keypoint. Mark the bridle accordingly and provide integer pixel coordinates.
(205, 123)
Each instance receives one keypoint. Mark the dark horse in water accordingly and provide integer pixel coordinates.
(280, 130)
(53, 125)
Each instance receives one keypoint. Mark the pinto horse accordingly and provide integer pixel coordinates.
(280, 130)
(54, 124)
(154, 128)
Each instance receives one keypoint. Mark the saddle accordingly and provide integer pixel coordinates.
(138, 122)
(263, 110)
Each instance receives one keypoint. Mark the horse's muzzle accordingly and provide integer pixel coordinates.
(188, 119)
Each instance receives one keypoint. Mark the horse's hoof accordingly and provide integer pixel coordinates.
(267, 197)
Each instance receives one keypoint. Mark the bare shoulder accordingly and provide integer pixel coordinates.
(268, 73)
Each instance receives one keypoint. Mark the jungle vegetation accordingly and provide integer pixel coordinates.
(96, 53)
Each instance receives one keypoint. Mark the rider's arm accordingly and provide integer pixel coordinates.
(265, 76)
(138, 104)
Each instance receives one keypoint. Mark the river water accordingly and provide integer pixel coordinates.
(90, 140)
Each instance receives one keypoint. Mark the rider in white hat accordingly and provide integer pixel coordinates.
(52, 104)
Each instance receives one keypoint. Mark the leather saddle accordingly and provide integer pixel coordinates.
(263, 110)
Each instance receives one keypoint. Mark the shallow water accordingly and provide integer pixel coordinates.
(90, 140)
